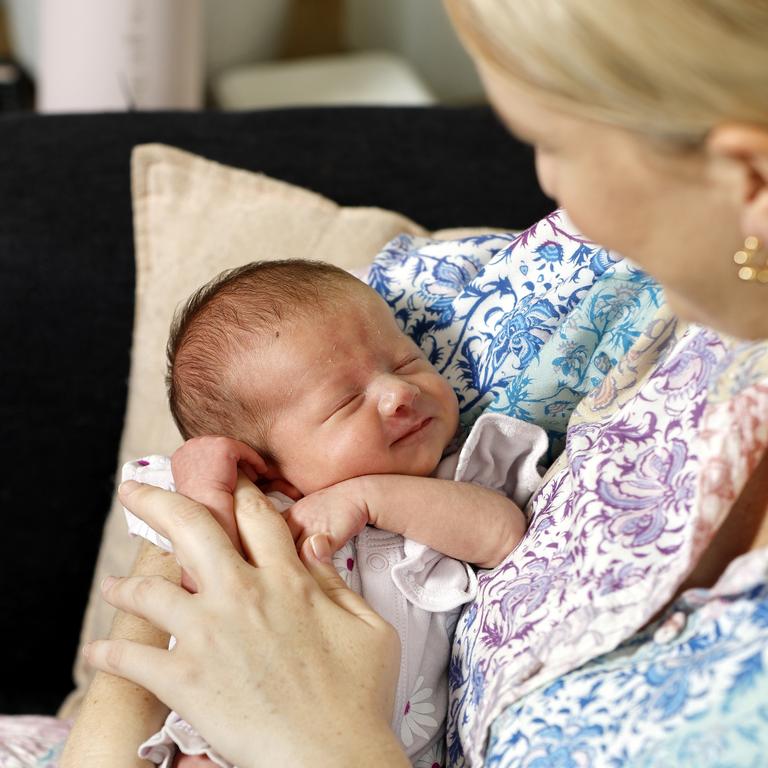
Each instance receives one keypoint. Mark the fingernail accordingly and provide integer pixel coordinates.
(321, 547)
(128, 487)
(107, 582)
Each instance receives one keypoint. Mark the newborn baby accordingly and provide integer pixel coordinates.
(338, 415)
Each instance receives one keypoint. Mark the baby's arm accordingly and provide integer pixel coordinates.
(462, 520)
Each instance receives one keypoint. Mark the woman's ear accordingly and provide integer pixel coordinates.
(745, 146)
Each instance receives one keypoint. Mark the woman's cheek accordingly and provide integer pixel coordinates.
(546, 172)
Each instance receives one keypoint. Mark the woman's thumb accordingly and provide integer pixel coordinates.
(316, 555)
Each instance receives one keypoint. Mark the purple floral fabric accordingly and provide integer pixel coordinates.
(31, 741)
(654, 428)
(654, 460)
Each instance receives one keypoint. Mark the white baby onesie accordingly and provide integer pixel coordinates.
(416, 589)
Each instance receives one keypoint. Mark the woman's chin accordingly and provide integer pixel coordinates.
(738, 326)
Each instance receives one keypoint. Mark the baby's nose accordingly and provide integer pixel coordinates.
(396, 397)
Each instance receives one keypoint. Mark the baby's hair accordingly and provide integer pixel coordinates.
(223, 325)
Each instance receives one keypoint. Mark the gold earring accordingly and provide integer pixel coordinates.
(748, 272)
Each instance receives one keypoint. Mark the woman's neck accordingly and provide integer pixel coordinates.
(761, 539)
(745, 529)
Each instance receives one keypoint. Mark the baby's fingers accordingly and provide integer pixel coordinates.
(248, 470)
(338, 531)
(247, 457)
(296, 528)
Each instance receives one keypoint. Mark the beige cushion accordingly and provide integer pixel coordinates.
(192, 219)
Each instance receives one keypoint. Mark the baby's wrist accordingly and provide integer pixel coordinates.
(371, 494)
(354, 491)
(203, 492)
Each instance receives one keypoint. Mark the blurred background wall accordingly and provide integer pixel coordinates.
(121, 54)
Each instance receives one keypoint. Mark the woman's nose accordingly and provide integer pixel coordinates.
(396, 396)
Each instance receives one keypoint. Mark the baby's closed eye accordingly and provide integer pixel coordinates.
(411, 362)
(348, 404)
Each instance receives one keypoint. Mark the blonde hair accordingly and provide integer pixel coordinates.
(671, 69)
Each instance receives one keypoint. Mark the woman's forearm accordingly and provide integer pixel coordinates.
(116, 714)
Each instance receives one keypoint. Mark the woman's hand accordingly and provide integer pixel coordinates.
(275, 663)
(205, 469)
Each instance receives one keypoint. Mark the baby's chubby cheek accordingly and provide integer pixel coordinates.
(332, 465)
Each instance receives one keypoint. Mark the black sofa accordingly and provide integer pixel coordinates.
(66, 261)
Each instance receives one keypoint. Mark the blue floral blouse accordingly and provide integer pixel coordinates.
(655, 427)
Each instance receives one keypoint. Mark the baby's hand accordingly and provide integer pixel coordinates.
(336, 511)
(205, 470)
(210, 463)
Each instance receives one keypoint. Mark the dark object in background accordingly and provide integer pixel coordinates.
(16, 90)
(66, 308)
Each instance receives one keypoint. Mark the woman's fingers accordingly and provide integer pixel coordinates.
(256, 646)
(264, 533)
(199, 542)
(136, 662)
(153, 598)
(316, 556)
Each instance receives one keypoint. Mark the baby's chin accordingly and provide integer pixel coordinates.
(422, 466)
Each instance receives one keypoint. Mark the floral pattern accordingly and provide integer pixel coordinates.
(32, 741)
(522, 324)
(687, 691)
(663, 430)
(417, 714)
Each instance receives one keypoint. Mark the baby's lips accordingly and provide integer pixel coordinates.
(413, 427)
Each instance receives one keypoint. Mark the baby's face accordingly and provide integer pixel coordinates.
(354, 396)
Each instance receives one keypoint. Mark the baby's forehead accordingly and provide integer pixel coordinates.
(364, 319)
(333, 346)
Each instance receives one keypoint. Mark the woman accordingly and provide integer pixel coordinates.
(630, 626)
